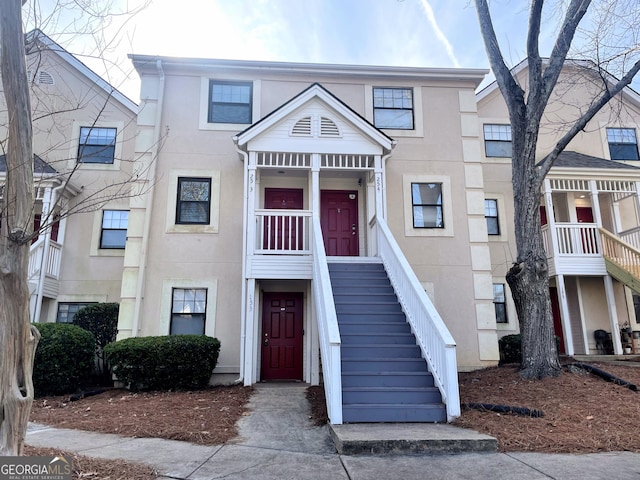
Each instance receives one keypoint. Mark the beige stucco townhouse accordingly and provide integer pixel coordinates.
(83, 141)
(589, 213)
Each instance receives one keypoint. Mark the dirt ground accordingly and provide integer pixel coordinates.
(582, 413)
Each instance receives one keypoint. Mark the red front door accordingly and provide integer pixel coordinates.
(339, 221)
(584, 214)
(281, 336)
(280, 231)
(557, 321)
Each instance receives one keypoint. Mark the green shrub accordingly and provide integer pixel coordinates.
(164, 363)
(64, 358)
(511, 349)
(101, 319)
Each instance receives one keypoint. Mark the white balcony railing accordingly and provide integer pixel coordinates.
(283, 232)
(328, 331)
(631, 236)
(573, 239)
(437, 345)
(52, 261)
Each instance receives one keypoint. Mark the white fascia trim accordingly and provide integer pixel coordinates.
(593, 173)
(93, 77)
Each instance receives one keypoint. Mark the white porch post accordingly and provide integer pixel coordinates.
(250, 360)
(551, 221)
(378, 181)
(637, 203)
(565, 318)
(314, 185)
(248, 347)
(46, 219)
(613, 315)
(595, 202)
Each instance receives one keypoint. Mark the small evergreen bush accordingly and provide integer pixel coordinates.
(164, 363)
(510, 348)
(64, 358)
(101, 319)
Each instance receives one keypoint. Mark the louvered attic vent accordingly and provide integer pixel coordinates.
(328, 128)
(41, 77)
(302, 127)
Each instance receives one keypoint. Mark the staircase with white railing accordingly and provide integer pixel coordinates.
(622, 259)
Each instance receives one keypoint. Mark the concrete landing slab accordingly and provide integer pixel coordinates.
(403, 438)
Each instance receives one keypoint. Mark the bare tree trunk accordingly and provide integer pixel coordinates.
(528, 278)
(18, 339)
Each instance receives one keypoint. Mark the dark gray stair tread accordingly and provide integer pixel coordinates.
(372, 317)
(366, 337)
(395, 395)
(381, 328)
(361, 412)
(360, 378)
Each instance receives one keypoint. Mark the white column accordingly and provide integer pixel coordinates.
(565, 317)
(46, 219)
(613, 315)
(250, 342)
(314, 186)
(378, 182)
(551, 221)
(252, 192)
(595, 203)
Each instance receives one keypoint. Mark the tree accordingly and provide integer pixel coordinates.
(528, 277)
(18, 338)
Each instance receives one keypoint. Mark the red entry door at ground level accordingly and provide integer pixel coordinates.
(339, 221)
(281, 232)
(557, 321)
(281, 336)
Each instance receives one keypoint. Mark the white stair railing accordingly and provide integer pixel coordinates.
(328, 331)
(434, 339)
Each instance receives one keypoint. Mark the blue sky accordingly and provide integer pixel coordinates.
(423, 33)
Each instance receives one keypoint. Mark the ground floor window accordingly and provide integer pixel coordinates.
(66, 311)
(188, 311)
(500, 303)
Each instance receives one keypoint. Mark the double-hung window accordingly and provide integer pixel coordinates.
(491, 215)
(623, 143)
(393, 108)
(230, 102)
(68, 310)
(497, 140)
(500, 303)
(426, 200)
(194, 201)
(188, 311)
(97, 145)
(114, 228)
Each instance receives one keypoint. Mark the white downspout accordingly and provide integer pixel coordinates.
(45, 252)
(149, 203)
(243, 311)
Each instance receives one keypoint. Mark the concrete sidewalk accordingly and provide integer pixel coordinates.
(277, 441)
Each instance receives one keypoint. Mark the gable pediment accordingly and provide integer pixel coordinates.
(314, 122)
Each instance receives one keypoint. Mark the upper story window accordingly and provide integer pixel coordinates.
(426, 199)
(623, 143)
(230, 102)
(393, 108)
(497, 140)
(97, 145)
(491, 215)
(114, 228)
(194, 201)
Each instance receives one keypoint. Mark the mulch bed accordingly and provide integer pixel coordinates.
(205, 417)
(583, 413)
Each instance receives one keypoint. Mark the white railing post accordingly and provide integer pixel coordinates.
(328, 331)
(437, 345)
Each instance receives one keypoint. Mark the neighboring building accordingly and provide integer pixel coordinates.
(81, 125)
(593, 191)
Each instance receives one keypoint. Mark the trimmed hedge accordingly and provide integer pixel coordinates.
(511, 349)
(164, 363)
(101, 319)
(64, 358)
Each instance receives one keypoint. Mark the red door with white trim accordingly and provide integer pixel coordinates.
(557, 319)
(282, 333)
(339, 221)
(280, 231)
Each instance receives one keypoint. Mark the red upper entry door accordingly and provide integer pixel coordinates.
(339, 221)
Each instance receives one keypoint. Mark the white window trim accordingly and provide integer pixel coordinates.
(211, 285)
(447, 207)
(418, 123)
(502, 221)
(203, 118)
(96, 231)
(492, 121)
(75, 144)
(172, 198)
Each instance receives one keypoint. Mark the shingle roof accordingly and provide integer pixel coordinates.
(39, 165)
(580, 160)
